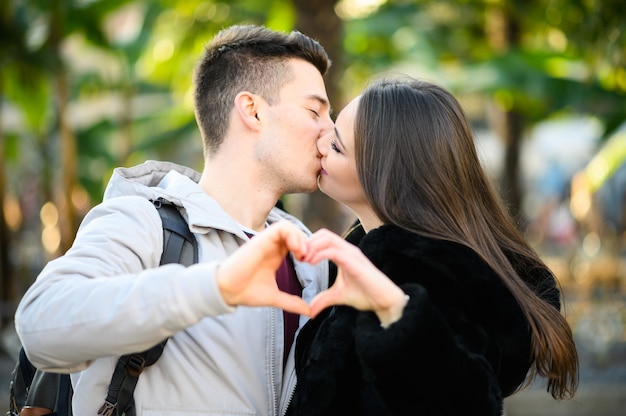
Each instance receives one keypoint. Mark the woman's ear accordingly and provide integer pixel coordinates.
(247, 107)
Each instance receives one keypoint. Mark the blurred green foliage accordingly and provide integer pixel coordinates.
(129, 66)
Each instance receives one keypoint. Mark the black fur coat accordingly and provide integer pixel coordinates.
(461, 346)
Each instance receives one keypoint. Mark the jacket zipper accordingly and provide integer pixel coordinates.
(272, 367)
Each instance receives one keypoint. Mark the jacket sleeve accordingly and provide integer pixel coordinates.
(108, 296)
(420, 365)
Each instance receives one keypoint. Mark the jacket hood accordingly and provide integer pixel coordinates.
(145, 180)
(177, 184)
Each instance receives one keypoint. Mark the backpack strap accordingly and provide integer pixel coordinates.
(21, 382)
(179, 243)
(64, 397)
(44, 398)
(179, 246)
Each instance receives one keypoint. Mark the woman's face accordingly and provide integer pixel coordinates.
(338, 178)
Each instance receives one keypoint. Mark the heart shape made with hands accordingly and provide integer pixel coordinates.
(248, 276)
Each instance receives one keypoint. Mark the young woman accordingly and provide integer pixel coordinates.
(450, 310)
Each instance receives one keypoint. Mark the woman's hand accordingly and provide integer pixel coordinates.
(359, 283)
(248, 276)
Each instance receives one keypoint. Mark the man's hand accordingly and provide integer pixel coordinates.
(248, 276)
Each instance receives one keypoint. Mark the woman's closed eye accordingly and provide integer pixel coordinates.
(333, 145)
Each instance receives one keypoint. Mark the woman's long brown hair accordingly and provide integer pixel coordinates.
(419, 168)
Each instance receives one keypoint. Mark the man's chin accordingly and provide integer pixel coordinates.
(305, 189)
(313, 186)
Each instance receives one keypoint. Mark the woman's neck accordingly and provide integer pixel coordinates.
(369, 220)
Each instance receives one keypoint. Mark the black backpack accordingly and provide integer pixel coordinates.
(40, 389)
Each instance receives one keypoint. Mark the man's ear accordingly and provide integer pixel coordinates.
(247, 107)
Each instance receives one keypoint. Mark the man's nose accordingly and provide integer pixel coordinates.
(322, 142)
(329, 125)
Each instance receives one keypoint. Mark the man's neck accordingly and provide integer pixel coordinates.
(239, 192)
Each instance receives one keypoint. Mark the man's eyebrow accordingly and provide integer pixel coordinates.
(323, 101)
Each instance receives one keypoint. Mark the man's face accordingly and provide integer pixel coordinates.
(287, 147)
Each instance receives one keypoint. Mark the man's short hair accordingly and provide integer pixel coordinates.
(246, 58)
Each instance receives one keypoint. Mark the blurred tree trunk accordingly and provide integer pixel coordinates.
(317, 18)
(67, 212)
(503, 34)
(511, 130)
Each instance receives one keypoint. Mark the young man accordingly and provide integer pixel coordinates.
(261, 105)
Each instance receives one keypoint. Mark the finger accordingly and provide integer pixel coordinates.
(320, 245)
(296, 242)
(290, 237)
(323, 300)
(315, 256)
(333, 248)
(292, 303)
(323, 237)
